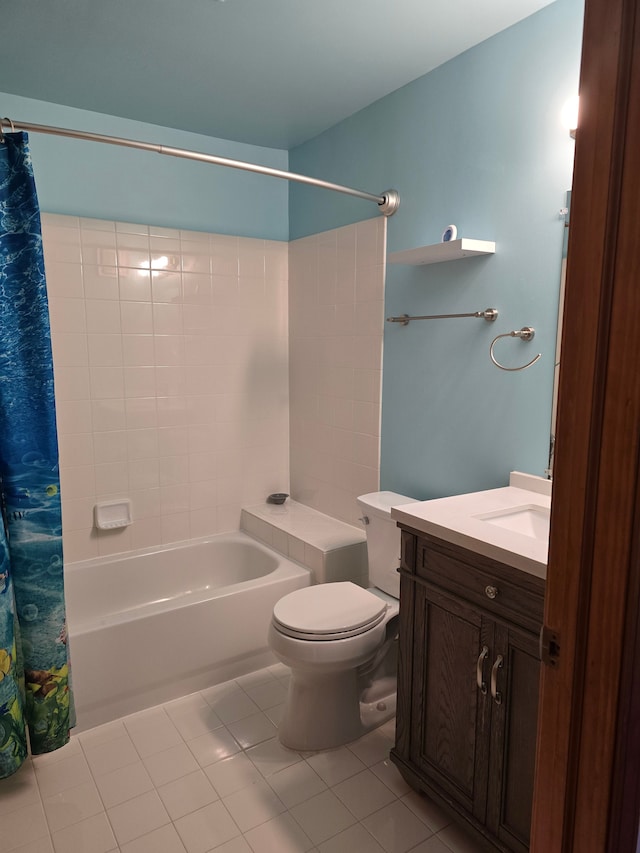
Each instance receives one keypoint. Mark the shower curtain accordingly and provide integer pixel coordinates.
(36, 706)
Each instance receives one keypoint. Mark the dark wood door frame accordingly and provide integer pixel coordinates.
(587, 792)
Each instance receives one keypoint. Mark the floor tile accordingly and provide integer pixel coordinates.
(194, 720)
(152, 731)
(457, 840)
(373, 747)
(253, 805)
(428, 812)
(356, 839)
(252, 679)
(138, 816)
(93, 835)
(252, 730)
(388, 773)
(163, 840)
(187, 794)
(275, 714)
(322, 816)
(335, 765)
(22, 826)
(206, 828)
(232, 774)
(269, 694)
(236, 845)
(71, 748)
(53, 778)
(107, 756)
(396, 828)
(212, 763)
(271, 756)
(170, 764)
(42, 845)
(72, 805)
(19, 790)
(213, 746)
(103, 733)
(296, 783)
(432, 845)
(282, 834)
(280, 670)
(363, 794)
(124, 784)
(232, 706)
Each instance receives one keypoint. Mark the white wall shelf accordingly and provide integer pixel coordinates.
(439, 252)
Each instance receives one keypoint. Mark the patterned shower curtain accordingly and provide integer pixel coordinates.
(36, 706)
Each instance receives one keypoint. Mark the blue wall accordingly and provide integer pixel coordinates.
(82, 178)
(478, 143)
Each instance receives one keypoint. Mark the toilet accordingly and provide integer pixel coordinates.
(340, 642)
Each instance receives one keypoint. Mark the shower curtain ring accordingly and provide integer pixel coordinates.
(11, 125)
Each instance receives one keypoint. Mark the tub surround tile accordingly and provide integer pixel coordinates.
(121, 332)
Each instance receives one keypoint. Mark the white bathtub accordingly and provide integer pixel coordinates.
(149, 626)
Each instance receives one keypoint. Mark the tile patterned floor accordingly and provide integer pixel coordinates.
(207, 772)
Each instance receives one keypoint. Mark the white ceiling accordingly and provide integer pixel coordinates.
(267, 72)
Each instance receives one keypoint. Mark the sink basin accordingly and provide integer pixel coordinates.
(529, 520)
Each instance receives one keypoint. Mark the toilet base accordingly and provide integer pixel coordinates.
(324, 712)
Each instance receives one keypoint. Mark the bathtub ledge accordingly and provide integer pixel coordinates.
(331, 549)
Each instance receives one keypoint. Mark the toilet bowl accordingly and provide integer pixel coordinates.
(340, 642)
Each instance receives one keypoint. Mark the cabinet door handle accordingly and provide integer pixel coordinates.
(497, 696)
(491, 591)
(482, 684)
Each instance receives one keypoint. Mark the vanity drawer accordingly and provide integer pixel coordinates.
(499, 589)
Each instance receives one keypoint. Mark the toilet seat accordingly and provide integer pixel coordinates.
(331, 611)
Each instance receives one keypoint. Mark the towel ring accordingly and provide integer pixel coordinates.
(526, 333)
(10, 123)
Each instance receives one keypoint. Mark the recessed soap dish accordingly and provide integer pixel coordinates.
(110, 515)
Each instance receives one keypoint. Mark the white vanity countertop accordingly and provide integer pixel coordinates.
(462, 520)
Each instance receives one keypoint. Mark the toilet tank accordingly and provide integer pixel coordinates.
(383, 539)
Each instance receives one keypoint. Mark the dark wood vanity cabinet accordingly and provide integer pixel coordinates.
(468, 686)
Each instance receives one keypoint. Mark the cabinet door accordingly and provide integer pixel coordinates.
(450, 715)
(513, 737)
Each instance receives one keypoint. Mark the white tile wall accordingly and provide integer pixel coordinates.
(336, 315)
(171, 370)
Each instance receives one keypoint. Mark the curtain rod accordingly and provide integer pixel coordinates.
(387, 202)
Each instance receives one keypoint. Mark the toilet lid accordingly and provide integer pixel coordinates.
(329, 610)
